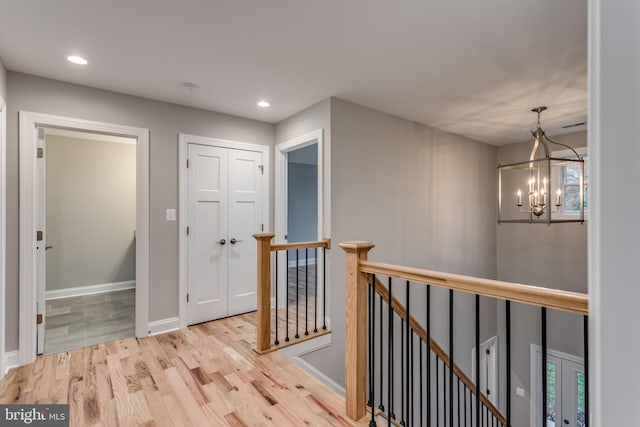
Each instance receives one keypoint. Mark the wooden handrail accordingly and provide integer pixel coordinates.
(556, 299)
(400, 310)
(326, 243)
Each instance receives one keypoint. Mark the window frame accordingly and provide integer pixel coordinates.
(558, 178)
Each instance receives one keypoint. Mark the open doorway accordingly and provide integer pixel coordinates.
(33, 223)
(300, 218)
(87, 207)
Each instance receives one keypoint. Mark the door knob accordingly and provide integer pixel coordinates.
(46, 248)
(566, 421)
(222, 241)
(234, 241)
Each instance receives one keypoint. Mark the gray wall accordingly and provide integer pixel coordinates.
(91, 212)
(165, 121)
(302, 203)
(401, 185)
(614, 232)
(552, 256)
(3, 81)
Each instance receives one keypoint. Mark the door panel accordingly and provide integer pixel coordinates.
(573, 408)
(245, 219)
(208, 222)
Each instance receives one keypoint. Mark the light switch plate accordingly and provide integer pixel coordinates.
(520, 391)
(171, 215)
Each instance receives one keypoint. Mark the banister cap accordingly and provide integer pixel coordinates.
(357, 245)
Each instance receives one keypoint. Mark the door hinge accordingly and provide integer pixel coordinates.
(39, 236)
(488, 351)
(488, 392)
(40, 152)
(187, 230)
(262, 227)
(187, 163)
(39, 319)
(261, 169)
(187, 296)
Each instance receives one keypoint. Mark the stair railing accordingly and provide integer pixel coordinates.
(303, 315)
(416, 399)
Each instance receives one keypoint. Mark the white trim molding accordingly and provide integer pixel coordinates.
(3, 223)
(90, 290)
(163, 326)
(10, 360)
(29, 123)
(183, 142)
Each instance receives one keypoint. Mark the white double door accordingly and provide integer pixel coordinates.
(224, 211)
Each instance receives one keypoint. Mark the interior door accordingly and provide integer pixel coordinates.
(245, 219)
(573, 404)
(208, 225)
(40, 244)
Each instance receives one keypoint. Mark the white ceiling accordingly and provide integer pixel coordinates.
(471, 67)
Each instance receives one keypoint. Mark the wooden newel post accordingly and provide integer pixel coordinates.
(263, 340)
(356, 333)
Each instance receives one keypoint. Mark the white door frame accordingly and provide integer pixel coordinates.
(281, 150)
(534, 379)
(28, 136)
(494, 384)
(3, 212)
(183, 142)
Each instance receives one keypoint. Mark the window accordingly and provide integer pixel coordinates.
(569, 183)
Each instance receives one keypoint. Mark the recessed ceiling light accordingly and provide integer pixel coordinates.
(263, 104)
(77, 60)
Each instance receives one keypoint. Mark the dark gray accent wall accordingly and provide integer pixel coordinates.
(165, 121)
(302, 203)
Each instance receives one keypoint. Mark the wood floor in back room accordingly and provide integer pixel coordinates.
(204, 375)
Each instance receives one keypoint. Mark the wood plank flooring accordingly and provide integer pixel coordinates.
(205, 375)
(90, 319)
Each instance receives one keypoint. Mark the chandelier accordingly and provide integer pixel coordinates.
(531, 191)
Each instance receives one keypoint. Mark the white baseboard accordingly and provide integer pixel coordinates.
(319, 375)
(10, 360)
(89, 290)
(163, 326)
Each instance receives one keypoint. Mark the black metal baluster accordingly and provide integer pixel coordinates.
(381, 405)
(437, 391)
(315, 290)
(297, 294)
(276, 342)
(369, 343)
(324, 288)
(372, 334)
(409, 356)
(306, 291)
(411, 374)
(444, 391)
(287, 295)
(402, 372)
(586, 371)
(508, 321)
(544, 365)
(428, 339)
(390, 340)
(477, 361)
(458, 398)
(465, 404)
(451, 359)
(421, 383)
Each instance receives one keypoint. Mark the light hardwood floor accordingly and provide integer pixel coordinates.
(205, 375)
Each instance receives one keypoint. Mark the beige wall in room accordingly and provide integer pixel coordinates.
(553, 256)
(165, 121)
(401, 185)
(91, 212)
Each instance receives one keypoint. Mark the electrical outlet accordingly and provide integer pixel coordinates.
(520, 391)
(170, 214)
